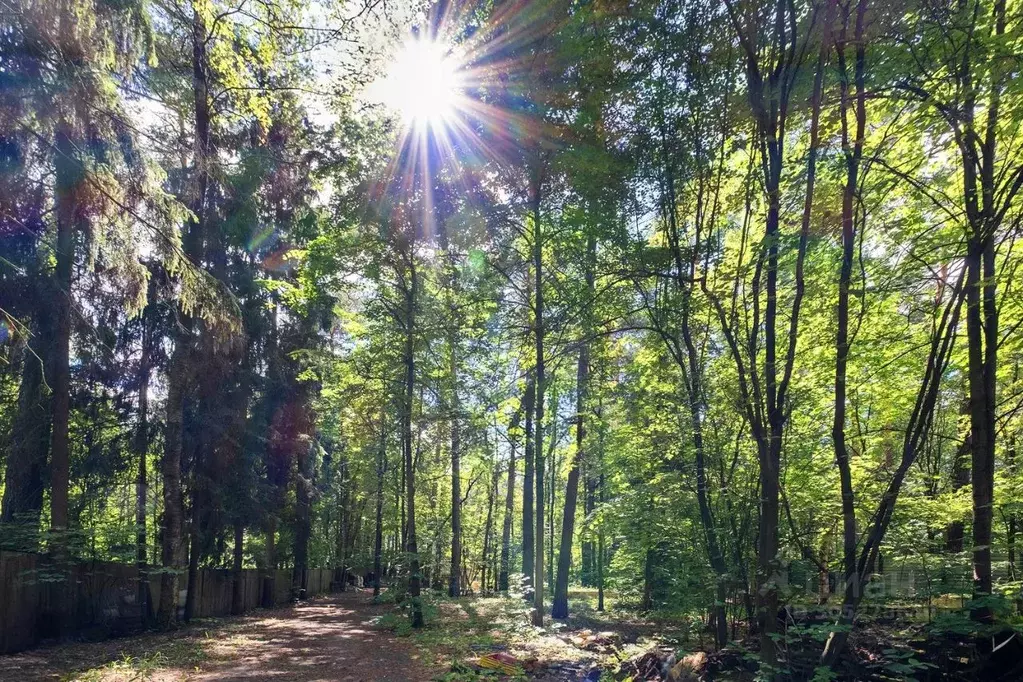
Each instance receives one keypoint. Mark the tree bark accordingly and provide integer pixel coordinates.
(454, 586)
(488, 527)
(921, 418)
(529, 407)
(194, 547)
(179, 373)
(303, 512)
(559, 607)
(171, 473)
(67, 180)
(238, 557)
(853, 151)
(538, 559)
(378, 535)
(270, 576)
(509, 508)
(406, 418)
(141, 480)
(601, 551)
(30, 441)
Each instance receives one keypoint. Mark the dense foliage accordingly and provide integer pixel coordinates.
(714, 307)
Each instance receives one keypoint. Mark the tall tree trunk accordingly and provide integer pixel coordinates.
(341, 570)
(378, 536)
(551, 485)
(488, 527)
(692, 374)
(171, 473)
(600, 570)
(768, 93)
(179, 372)
(853, 151)
(559, 607)
(601, 556)
(983, 209)
(270, 574)
(941, 345)
(400, 500)
(141, 480)
(194, 546)
(454, 586)
(982, 418)
(406, 418)
(1013, 520)
(955, 532)
(588, 546)
(303, 514)
(541, 385)
(528, 506)
(238, 557)
(509, 507)
(68, 177)
(30, 440)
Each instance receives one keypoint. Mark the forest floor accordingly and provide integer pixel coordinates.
(327, 639)
(462, 634)
(347, 637)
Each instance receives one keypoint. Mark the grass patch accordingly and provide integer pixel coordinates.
(140, 665)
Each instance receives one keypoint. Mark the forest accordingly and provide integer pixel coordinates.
(703, 317)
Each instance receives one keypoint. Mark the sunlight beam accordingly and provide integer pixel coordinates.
(423, 84)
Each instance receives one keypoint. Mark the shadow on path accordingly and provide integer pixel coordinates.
(329, 639)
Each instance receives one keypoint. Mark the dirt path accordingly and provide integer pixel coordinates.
(330, 639)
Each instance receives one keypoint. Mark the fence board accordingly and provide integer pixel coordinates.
(100, 599)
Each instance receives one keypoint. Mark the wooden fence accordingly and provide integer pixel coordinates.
(100, 599)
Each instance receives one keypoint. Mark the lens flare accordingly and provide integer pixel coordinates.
(423, 84)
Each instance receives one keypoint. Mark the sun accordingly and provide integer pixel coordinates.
(423, 84)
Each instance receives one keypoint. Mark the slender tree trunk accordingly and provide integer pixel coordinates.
(454, 587)
(978, 163)
(551, 485)
(402, 508)
(588, 546)
(141, 480)
(378, 539)
(981, 364)
(171, 472)
(488, 527)
(601, 557)
(341, 569)
(853, 150)
(509, 509)
(67, 181)
(559, 608)
(178, 378)
(194, 549)
(955, 532)
(941, 345)
(303, 515)
(407, 399)
(541, 385)
(529, 407)
(270, 577)
(1010, 459)
(693, 383)
(238, 558)
(30, 440)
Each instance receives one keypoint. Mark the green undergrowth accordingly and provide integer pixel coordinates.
(188, 653)
(143, 658)
(457, 631)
